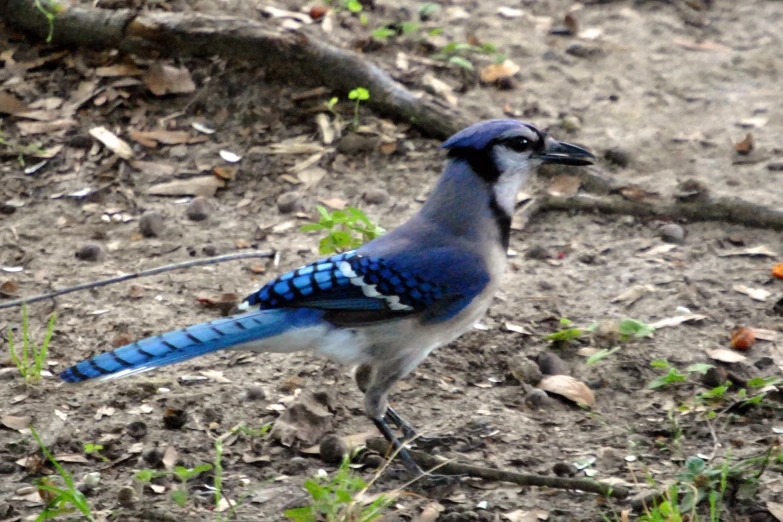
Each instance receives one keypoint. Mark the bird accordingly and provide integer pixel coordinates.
(384, 306)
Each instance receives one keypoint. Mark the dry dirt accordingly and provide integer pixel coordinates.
(672, 94)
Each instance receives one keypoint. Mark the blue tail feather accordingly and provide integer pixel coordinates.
(184, 344)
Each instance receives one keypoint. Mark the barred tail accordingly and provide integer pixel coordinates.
(187, 343)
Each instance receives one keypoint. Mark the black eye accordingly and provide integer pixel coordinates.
(518, 144)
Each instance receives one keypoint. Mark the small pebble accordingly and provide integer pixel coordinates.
(353, 143)
(715, 376)
(85, 488)
(153, 457)
(255, 393)
(525, 371)
(6, 468)
(538, 400)
(564, 469)
(136, 429)
(618, 156)
(80, 141)
(551, 364)
(376, 196)
(125, 496)
(333, 448)
(151, 224)
(198, 209)
(89, 252)
(571, 123)
(537, 252)
(373, 460)
(289, 202)
(174, 419)
(210, 250)
(672, 233)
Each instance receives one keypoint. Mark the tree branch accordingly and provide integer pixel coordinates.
(291, 54)
(427, 461)
(143, 273)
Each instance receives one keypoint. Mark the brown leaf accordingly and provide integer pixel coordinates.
(112, 142)
(29, 128)
(10, 105)
(135, 292)
(636, 193)
(153, 137)
(75, 458)
(198, 186)
(170, 457)
(165, 79)
(494, 72)
(9, 289)
(122, 340)
(226, 173)
(571, 23)
(705, 46)
(564, 185)
(745, 146)
(153, 168)
(15, 423)
(305, 421)
(121, 69)
(776, 510)
(569, 388)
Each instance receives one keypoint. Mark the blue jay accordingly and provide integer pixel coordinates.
(386, 305)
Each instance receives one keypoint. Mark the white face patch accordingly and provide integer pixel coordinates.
(515, 168)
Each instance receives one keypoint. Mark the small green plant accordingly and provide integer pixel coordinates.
(179, 496)
(50, 15)
(94, 450)
(30, 371)
(59, 500)
(338, 499)
(569, 333)
(354, 6)
(346, 229)
(674, 375)
(359, 94)
(627, 330)
(667, 510)
(456, 53)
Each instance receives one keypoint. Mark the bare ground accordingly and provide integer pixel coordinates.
(672, 94)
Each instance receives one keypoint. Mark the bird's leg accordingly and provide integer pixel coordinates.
(407, 430)
(413, 468)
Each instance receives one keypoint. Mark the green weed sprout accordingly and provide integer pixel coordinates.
(61, 497)
(338, 499)
(179, 496)
(346, 229)
(31, 372)
(94, 450)
(359, 94)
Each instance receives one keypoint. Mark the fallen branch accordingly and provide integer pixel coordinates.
(143, 273)
(291, 54)
(729, 210)
(427, 461)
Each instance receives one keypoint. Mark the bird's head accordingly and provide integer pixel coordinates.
(504, 152)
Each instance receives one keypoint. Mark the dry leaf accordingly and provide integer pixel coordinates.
(706, 46)
(726, 355)
(564, 185)
(569, 388)
(170, 457)
(9, 104)
(757, 294)
(526, 516)
(677, 320)
(335, 203)
(776, 510)
(153, 137)
(497, 71)
(745, 146)
(633, 294)
(199, 186)
(762, 250)
(104, 411)
(112, 142)
(29, 128)
(430, 513)
(165, 79)
(9, 289)
(226, 173)
(75, 458)
(153, 168)
(15, 423)
(121, 69)
(310, 177)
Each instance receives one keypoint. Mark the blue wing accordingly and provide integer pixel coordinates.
(358, 288)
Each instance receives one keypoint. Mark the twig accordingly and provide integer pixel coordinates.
(428, 461)
(729, 210)
(143, 273)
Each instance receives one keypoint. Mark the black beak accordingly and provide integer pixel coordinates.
(565, 154)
